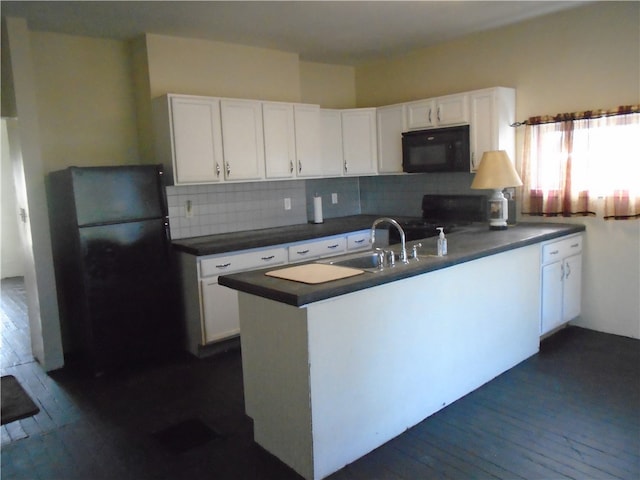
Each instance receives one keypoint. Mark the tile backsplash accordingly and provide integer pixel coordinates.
(250, 206)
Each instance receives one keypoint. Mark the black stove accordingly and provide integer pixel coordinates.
(448, 211)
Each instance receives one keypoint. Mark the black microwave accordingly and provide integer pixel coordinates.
(436, 150)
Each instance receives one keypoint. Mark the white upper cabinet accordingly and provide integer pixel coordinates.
(279, 140)
(492, 111)
(242, 139)
(437, 112)
(307, 140)
(390, 125)
(359, 145)
(291, 140)
(331, 142)
(188, 139)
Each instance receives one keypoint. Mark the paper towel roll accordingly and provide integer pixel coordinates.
(317, 209)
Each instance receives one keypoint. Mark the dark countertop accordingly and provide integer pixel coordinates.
(228, 242)
(464, 245)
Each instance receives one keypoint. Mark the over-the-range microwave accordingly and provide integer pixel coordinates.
(436, 150)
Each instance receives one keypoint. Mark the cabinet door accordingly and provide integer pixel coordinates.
(242, 139)
(552, 280)
(390, 125)
(279, 140)
(307, 127)
(452, 110)
(421, 114)
(482, 129)
(572, 288)
(221, 318)
(331, 142)
(197, 140)
(359, 141)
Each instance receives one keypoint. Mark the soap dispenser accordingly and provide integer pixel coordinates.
(442, 242)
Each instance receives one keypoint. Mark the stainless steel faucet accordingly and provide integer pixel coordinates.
(378, 221)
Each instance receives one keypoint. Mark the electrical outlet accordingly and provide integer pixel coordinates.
(334, 198)
(287, 204)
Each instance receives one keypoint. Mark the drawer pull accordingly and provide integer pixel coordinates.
(303, 252)
(555, 252)
(359, 241)
(333, 246)
(224, 265)
(270, 257)
(575, 245)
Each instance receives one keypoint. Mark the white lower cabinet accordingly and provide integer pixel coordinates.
(317, 248)
(561, 282)
(220, 318)
(210, 311)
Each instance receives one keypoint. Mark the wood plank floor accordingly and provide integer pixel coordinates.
(571, 411)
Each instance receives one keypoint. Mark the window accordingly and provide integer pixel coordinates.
(571, 160)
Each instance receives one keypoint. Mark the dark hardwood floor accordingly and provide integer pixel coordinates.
(571, 411)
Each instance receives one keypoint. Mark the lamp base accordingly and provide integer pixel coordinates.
(498, 211)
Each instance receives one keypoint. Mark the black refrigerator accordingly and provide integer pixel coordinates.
(115, 277)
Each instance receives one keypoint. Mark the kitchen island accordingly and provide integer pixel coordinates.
(334, 370)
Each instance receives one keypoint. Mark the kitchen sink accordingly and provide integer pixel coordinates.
(368, 261)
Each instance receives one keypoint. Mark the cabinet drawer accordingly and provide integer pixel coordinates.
(222, 264)
(358, 240)
(555, 251)
(315, 249)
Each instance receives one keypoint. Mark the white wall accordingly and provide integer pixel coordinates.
(11, 252)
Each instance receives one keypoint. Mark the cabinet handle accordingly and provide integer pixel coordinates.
(270, 257)
(332, 246)
(228, 169)
(575, 245)
(346, 168)
(299, 166)
(291, 166)
(438, 114)
(303, 252)
(359, 241)
(217, 169)
(473, 160)
(224, 265)
(429, 115)
(561, 271)
(555, 252)
(568, 270)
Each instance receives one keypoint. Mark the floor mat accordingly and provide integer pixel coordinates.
(185, 435)
(16, 403)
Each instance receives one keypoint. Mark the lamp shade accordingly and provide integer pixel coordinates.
(496, 171)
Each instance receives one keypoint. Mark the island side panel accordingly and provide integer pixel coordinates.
(275, 366)
(385, 358)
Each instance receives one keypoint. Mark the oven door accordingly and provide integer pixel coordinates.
(436, 150)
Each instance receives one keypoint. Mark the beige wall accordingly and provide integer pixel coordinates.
(198, 67)
(331, 86)
(577, 59)
(85, 101)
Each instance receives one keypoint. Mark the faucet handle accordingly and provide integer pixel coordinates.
(414, 250)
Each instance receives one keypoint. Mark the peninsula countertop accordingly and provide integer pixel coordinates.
(467, 244)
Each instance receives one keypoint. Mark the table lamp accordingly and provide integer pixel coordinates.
(496, 172)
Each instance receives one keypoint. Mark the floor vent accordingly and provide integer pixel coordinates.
(185, 435)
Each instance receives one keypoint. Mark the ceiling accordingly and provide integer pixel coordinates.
(339, 32)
